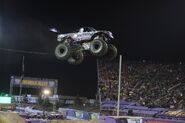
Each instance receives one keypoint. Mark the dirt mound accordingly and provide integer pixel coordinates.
(73, 121)
(10, 117)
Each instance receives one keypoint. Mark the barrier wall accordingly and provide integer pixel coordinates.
(147, 120)
(77, 114)
(120, 119)
(7, 107)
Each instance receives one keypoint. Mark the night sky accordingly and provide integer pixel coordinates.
(148, 29)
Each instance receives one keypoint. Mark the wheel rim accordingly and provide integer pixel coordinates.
(97, 47)
(62, 51)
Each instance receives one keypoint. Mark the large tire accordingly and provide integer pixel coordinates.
(76, 57)
(111, 53)
(98, 47)
(62, 51)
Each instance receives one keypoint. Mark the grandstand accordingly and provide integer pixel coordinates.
(152, 84)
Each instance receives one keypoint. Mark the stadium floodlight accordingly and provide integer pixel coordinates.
(46, 92)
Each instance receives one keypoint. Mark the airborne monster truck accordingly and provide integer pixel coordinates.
(73, 46)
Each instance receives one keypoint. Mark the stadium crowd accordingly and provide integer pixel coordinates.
(148, 83)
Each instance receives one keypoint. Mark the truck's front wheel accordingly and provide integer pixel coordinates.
(62, 51)
(98, 47)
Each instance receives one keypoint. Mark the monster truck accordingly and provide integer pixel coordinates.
(74, 46)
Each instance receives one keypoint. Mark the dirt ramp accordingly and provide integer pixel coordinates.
(7, 117)
(73, 121)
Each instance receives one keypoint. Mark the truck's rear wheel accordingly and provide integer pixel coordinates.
(76, 57)
(62, 51)
(111, 53)
(98, 47)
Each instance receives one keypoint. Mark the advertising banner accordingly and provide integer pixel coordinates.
(33, 82)
(175, 113)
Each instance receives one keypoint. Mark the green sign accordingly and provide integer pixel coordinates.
(5, 100)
